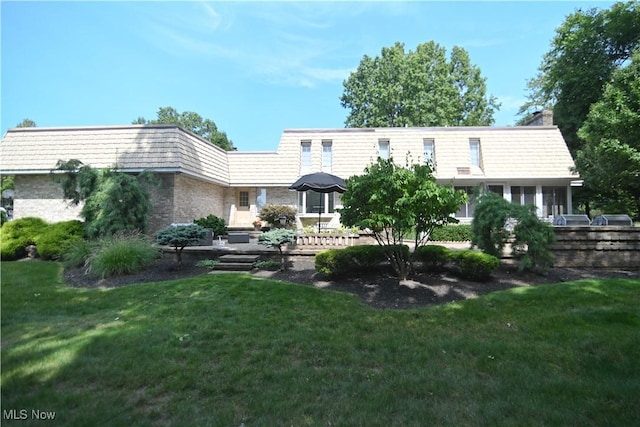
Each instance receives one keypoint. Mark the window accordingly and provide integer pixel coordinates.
(428, 153)
(243, 199)
(474, 151)
(555, 200)
(305, 154)
(326, 155)
(466, 210)
(261, 198)
(310, 202)
(523, 195)
(383, 149)
(496, 189)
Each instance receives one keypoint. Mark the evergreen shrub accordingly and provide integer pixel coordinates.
(473, 265)
(213, 223)
(16, 235)
(433, 257)
(57, 238)
(351, 260)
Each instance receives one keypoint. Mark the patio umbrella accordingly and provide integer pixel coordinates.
(320, 182)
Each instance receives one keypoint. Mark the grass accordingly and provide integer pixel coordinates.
(230, 350)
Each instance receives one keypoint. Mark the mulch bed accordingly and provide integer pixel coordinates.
(380, 290)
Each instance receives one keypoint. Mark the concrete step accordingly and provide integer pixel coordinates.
(250, 259)
(233, 266)
(232, 262)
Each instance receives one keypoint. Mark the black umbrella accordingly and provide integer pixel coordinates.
(320, 182)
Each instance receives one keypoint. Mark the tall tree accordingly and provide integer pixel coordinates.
(420, 88)
(586, 49)
(193, 122)
(610, 158)
(26, 123)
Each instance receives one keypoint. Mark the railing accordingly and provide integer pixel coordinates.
(327, 239)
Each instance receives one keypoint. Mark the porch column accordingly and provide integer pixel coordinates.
(569, 201)
(506, 192)
(539, 201)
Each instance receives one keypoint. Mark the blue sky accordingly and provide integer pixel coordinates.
(255, 68)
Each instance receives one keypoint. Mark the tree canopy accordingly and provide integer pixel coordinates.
(417, 88)
(398, 202)
(610, 158)
(587, 48)
(26, 123)
(193, 122)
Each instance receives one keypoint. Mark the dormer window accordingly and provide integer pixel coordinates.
(305, 154)
(327, 158)
(383, 149)
(428, 147)
(474, 152)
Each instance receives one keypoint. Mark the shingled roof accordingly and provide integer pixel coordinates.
(128, 148)
(508, 153)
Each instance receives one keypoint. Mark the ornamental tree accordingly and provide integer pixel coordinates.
(397, 203)
(276, 239)
(180, 236)
(495, 220)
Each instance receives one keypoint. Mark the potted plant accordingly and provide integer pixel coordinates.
(257, 224)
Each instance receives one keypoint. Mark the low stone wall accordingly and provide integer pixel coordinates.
(600, 247)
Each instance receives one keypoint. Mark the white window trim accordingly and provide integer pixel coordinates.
(381, 143)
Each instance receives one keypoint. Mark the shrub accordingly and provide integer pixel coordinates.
(213, 223)
(16, 235)
(452, 233)
(207, 263)
(57, 238)
(267, 265)
(123, 253)
(531, 235)
(4, 217)
(489, 219)
(272, 213)
(476, 266)
(78, 253)
(352, 260)
(531, 243)
(180, 236)
(433, 257)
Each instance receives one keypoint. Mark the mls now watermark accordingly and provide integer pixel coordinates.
(26, 414)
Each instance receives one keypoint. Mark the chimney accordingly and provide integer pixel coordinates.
(541, 118)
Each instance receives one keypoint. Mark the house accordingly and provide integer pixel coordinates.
(525, 164)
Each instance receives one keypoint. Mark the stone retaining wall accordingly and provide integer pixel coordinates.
(601, 247)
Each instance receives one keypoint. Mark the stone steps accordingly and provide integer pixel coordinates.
(233, 262)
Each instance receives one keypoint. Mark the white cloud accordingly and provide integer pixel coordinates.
(292, 44)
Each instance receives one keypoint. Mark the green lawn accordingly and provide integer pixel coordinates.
(231, 350)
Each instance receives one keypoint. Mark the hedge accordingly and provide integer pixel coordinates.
(352, 260)
(452, 233)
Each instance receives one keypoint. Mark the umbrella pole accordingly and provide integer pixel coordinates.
(320, 210)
